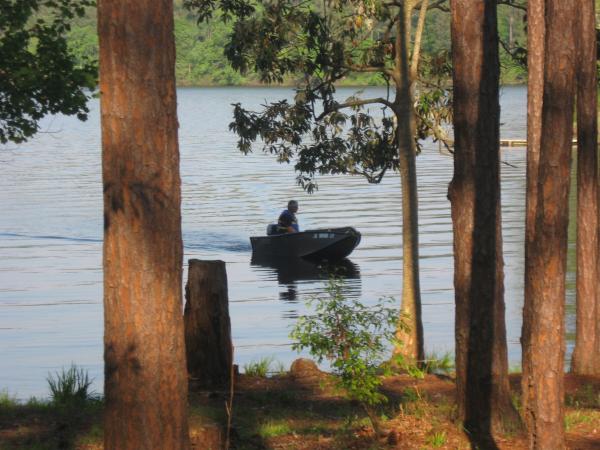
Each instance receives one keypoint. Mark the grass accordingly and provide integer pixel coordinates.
(439, 364)
(67, 419)
(432, 364)
(585, 397)
(411, 395)
(258, 368)
(94, 436)
(280, 368)
(515, 368)
(273, 429)
(70, 387)
(437, 439)
(7, 400)
(264, 367)
(574, 418)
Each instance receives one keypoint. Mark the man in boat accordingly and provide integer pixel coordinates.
(287, 222)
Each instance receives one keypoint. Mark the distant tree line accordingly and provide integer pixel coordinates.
(201, 61)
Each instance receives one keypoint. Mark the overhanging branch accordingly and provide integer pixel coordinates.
(353, 104)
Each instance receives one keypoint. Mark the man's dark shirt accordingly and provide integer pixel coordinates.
(288, 219)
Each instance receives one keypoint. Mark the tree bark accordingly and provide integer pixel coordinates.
(586, 356)
(207, 325)
(483, 393)
(416, 54)
(546, 237)
(145, 373)
(411, 339)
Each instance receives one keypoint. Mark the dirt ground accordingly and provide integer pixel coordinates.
(307, 413)
(286, 412)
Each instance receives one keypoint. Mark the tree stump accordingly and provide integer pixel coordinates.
(207, 326)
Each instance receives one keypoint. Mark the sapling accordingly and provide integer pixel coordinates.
(354, 338)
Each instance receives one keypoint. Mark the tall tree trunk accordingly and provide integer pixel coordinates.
(546, 236)
(145, 372)
(411, 339)
(416, 53)
(586, 356)
(483, 393)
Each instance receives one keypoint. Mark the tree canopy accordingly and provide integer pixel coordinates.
(201, 62)
(39, 75)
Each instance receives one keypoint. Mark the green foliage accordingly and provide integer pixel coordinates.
(515, 368)
(200, 46)
(260, 368)
(70, 387)
(7, 400)
(438, 364)
(353, 337)
(279, 368)
(432, 364)
(586, 396)
(437, 439)
(321, 45)
(411, 369)
(40, 75)
(272, 429)
(411, 395)
(578, 417)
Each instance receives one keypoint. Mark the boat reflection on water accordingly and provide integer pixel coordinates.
(290, 272)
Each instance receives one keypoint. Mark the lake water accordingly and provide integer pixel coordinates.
(51, 237)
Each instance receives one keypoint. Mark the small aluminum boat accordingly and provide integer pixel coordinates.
(329, 244)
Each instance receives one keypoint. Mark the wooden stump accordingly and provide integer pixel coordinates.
(207, 326)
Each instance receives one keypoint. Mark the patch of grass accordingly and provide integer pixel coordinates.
(410, 395)
(284, 398)
(273, 429)
(38, 403)
(258, 368)
(574, 418)
(515, 368)
(70, 387)
(585, 397)
(200, 411)
(439, 364)
(279, 368)
(515, 399)
(63, 421)
(94, 436)
(31, 446)
(7, 400)
(316, 429)
(437, 439)
(447, 409)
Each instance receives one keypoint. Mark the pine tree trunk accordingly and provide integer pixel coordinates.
(586, 356)
(546, 237)
(411, 340)
(145, 372)
(483, 393)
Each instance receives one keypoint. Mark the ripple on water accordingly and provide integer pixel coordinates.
(51, 231)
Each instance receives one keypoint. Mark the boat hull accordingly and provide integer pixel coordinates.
(329, 244)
